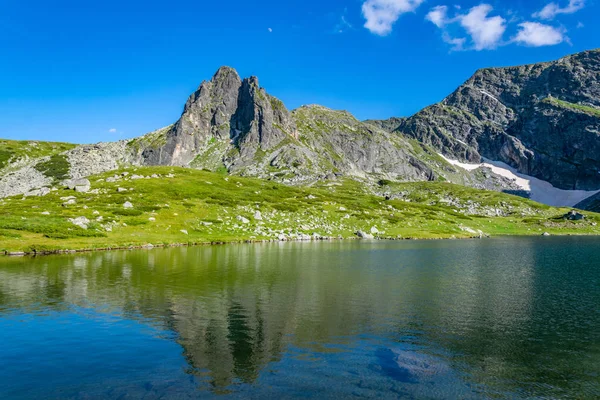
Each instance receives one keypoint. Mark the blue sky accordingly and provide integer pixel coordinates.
(88, 71)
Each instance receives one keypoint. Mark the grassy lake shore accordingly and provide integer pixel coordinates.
(168, 206)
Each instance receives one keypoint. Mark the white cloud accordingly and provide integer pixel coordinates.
(553, 9)
(486, 32)
(113, 130)
(438, 16)
(382, 14)
(270, 30)
(536, 35)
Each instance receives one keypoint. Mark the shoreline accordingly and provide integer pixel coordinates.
(150, 246)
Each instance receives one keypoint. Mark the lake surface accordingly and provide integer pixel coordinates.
(498, 318)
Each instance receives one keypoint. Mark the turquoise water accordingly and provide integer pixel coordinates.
(499, 318)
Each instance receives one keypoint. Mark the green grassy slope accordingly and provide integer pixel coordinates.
(13, 150)
(206, 205)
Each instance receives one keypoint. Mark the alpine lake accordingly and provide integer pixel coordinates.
(501, 318)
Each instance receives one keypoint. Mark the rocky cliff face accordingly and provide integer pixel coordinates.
(542, 119)
(233, 124)
(224, 123)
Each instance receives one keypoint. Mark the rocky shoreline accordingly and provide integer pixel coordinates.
(253, 241)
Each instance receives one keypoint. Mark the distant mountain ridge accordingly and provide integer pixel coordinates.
(543, 120)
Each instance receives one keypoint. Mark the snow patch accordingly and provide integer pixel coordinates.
(488, 95)
(539, 190)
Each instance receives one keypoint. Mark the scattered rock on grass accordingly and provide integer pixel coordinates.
(81, 222)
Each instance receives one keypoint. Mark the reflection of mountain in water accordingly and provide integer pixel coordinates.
(235, 309)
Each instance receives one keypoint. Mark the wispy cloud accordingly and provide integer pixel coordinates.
(536, 35)
(382, 14)
(458, 44)
(438, 16)
(343, 25)
(113, 130)
(553, 9)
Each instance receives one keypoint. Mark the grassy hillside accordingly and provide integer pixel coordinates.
(13, 150)
(188, 206)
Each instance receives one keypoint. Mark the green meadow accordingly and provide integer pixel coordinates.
(180, 206)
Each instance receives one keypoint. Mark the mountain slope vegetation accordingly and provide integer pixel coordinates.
(172, 205)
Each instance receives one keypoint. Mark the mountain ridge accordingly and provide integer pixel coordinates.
(539, 119)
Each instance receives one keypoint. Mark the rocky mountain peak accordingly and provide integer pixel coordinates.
(542, 119)
(223, 72)
(224, 122)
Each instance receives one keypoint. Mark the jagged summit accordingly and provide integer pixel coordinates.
(542, 119)
(233, 124)
(223, 111)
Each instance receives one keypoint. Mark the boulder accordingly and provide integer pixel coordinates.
(243, 220)
(574, 216)
(81, 222)
(79, 185)
(364, 235)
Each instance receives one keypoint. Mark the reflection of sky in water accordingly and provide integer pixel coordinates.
(508, 317)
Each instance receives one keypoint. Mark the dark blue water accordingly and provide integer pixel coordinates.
(501, 318)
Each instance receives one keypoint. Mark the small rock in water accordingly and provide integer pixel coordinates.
(545, 234)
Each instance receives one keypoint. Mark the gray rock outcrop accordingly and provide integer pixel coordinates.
(542, 119)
